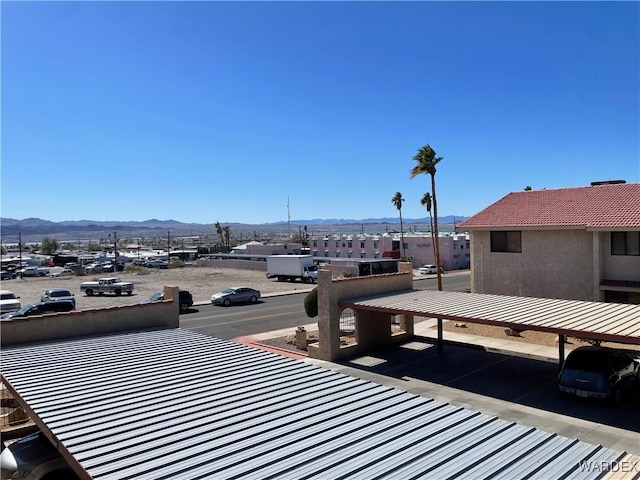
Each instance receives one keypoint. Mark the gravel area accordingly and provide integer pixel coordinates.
(202, 282)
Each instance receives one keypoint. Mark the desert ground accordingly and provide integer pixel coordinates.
(202, 282)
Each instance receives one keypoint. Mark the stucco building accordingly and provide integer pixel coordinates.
(574, 243)
(454, 248)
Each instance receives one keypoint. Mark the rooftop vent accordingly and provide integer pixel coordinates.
(608, 182)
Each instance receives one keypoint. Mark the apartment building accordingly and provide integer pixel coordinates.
(573, 243)
(454, 248)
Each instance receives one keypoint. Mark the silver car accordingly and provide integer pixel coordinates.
(58, 294)
(235, 295)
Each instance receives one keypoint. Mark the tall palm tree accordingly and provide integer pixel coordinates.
(397, 201)
(425, 201)
(427, 161)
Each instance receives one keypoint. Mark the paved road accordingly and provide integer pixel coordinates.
(268, 314)
(278, 312)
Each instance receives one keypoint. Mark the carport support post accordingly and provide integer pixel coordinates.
(440, 342)
(561, 339)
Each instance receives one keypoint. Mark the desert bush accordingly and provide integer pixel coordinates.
(311, 303)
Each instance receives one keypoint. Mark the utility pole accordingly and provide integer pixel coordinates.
(20, 248)
(115, 252)
(168, 246)
(289, 218)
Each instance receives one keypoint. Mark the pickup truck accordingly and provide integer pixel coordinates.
(107, 285)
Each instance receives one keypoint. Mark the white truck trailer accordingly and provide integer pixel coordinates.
(291, 268)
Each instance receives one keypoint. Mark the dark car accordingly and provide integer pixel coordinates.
(235, 295)
(58, 295)
(34, 457)
(599, 372)
(41, 308)
(185, 299)
(7, 275)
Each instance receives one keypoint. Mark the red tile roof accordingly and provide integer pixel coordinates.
(612, 206)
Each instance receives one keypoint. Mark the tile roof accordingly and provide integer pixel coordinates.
(614, 206)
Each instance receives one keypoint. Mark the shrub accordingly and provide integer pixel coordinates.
(311, 303)
(136, 269)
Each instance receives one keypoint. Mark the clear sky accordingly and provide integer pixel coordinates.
(221, 111)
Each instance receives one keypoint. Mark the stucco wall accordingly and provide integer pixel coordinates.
(331, 291)
(91, 322)
(553, 264)
(617, 267)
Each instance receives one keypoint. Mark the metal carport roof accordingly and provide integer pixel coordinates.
(177, 404)
(610, 322)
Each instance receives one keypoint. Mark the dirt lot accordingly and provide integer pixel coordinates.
(202, 282)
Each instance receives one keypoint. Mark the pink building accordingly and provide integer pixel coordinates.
(454, 248)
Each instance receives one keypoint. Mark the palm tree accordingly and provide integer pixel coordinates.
(397, 201)
(425, 201)
(427, 161)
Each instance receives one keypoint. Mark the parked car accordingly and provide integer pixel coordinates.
(58, 294)
(235, 295)
(63, 273)
(41, 308)
(7, 275)
(156, 263)
(8, 301)
(93, 268)
(429, 269)
(185, 299)
(34, 272)
(599, 372)
(34, 457)
(108, 268)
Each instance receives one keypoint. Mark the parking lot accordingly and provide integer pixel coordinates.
(202, 282)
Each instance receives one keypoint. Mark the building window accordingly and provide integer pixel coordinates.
(510, 241)
(349, 244)
(315, 243)
(625, 243)
(361, 244)
(326, 244)
(375, 244)
(337, 243)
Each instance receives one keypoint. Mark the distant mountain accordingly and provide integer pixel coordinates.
(383, 220)
(33, 229)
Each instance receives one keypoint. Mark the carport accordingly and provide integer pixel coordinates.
(606, 322)
(171, 403)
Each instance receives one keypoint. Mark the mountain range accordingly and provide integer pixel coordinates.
(32, 229)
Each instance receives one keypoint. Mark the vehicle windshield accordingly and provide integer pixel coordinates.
(228, 291)
(7, 296)
(25, 309)
(60, 293)
(588, 361)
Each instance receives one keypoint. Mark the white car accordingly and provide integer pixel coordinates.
(8, 301)
(63, 273)
(428, 269)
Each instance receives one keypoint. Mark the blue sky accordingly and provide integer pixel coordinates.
(222, 111)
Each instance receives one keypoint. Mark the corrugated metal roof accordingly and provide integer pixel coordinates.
(614, 206)
(178, 404)
(613, 322)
